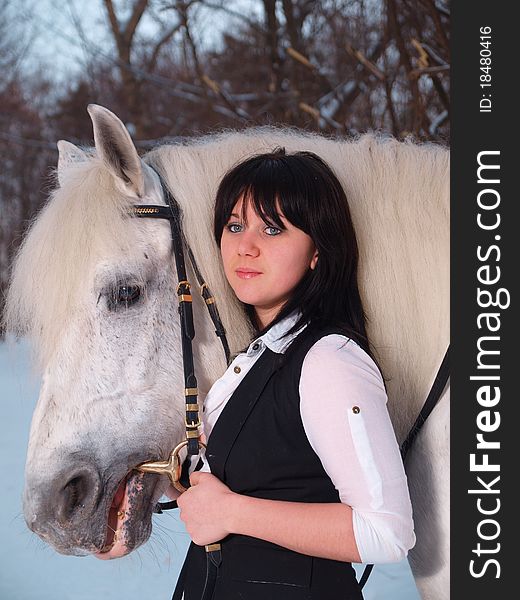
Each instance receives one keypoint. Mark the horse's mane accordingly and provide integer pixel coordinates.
(398, 194)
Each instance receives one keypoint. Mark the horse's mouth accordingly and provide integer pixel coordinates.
(118, 537)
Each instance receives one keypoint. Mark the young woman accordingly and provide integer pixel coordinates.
(302, 473)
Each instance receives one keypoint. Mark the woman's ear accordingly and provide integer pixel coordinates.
(314, 260)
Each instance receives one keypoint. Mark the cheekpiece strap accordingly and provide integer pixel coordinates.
(172, 214)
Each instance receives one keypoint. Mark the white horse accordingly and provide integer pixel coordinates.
(95, 289)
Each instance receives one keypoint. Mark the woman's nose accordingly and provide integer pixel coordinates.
(248, 245)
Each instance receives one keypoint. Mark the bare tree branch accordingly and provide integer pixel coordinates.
(365, 62)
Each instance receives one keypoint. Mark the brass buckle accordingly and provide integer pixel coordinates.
(184, 297)
(171, 467)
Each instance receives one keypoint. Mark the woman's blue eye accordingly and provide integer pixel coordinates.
(234, 227)
(271, 230)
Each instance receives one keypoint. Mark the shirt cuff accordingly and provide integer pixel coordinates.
(381, 538)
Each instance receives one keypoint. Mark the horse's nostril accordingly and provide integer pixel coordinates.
(77, 494)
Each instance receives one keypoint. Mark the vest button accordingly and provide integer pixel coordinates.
(237, 370)
(356, 409)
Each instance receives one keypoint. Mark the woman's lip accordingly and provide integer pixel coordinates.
(247, 273)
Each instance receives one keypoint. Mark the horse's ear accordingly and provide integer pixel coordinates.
(67, 154)
(115, 147)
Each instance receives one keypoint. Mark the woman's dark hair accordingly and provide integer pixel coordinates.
(310, 197)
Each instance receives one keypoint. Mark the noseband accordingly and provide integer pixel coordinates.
(172, 213)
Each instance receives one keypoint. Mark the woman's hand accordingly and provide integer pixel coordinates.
(205, 508)
(211, 511)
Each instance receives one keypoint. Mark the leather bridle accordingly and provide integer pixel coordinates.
(172, 467)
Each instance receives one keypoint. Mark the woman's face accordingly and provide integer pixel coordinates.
(263, 263)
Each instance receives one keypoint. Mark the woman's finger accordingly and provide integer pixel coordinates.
(195, 478)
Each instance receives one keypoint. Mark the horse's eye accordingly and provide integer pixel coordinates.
(124, 296)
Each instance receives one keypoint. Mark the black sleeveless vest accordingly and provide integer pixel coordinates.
(258, 448)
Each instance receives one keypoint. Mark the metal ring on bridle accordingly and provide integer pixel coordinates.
(171, 467)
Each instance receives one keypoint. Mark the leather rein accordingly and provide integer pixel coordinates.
(439, 383)
(172, 467)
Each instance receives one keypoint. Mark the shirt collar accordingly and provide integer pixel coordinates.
(274, 338)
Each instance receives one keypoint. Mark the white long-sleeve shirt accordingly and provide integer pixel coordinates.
(356, 442)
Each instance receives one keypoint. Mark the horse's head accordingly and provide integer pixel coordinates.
(96, 289)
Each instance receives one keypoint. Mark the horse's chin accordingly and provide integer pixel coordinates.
(128, 520)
